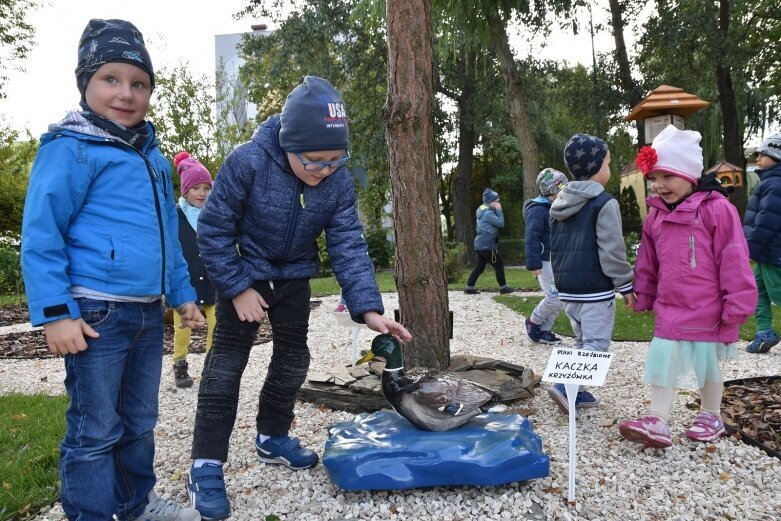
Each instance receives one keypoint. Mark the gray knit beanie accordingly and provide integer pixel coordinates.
(314, 118)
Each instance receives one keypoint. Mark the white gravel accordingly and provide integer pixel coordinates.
(727, 480)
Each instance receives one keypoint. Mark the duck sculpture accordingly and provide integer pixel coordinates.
(430, 400)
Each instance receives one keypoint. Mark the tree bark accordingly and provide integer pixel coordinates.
(463, 215)
(408, 113)
(628, 84)
(731, 135)
(518, 103)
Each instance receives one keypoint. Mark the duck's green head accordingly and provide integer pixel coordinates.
(387, 347)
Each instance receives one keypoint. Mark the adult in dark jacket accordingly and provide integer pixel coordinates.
(762, 226)
(489, 220)
(272, 199)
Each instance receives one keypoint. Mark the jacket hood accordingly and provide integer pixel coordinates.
(537, 201)
(573, 197)
(74, 122)
(266, 136)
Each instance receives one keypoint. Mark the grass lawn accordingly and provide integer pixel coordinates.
(517, 277)
(629, 326)
(7, 300)
(31, 428)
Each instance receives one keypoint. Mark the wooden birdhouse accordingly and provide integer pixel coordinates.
(728, 174)
(665, 105)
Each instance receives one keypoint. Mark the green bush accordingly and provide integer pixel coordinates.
(512, 251)
(10, 270)
(380, 250)
(453, 266)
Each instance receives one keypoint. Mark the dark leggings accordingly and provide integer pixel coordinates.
(487, 257)
(218, 394)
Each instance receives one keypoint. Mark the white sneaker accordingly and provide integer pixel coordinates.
(159, 509)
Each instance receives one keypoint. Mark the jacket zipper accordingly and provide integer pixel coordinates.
(298, 203)
(693, 260)
(152, 178)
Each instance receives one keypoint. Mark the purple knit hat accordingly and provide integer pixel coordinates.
(191, 171)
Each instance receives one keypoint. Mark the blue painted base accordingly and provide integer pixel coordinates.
(383, 451)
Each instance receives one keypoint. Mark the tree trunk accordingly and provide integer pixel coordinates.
(463, 215)
(518, 103)
(409, 120)
(628, 84)
(732, 139)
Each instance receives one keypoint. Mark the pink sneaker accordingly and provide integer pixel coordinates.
(706, 427)
(650, 430)
(341, 308)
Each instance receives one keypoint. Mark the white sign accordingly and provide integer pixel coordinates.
(577, 366)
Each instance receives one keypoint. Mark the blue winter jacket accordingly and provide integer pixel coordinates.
(99, 214)
(762, 220)
(536, 221)
(489, 221)
(258, 204)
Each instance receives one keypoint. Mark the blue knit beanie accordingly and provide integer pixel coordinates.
(107, 41)
(584, 155)
(314, 118)
(489, 196)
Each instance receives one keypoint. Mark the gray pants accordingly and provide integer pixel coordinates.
(549, 307)
(592, 323)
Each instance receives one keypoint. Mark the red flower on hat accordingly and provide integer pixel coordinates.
(646, 159)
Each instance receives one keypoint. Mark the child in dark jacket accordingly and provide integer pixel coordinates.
(588, 253)
(762, 227)
(536, 219)
(99, 250)
(196, 183)
(258, 233)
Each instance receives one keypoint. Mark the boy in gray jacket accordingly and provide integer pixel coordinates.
(588, 253)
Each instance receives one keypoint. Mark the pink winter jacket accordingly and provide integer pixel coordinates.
(693, 270)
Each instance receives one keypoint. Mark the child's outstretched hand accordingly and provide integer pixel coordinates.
(191, 316)
(66, 336)
(629, 300)
(380, 324)
(250, 306)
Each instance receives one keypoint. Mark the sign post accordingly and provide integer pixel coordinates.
(573, 368)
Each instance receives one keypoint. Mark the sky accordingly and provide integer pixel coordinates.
(175, 31)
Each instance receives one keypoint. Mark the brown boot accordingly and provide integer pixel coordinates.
(182, 379)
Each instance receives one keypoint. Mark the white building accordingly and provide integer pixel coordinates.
(231, 93)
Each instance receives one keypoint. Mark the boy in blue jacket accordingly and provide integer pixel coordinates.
(99, 249)
(762, 226)
(257, 234)
(536, 219)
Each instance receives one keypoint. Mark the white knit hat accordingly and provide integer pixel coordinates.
(676, 152)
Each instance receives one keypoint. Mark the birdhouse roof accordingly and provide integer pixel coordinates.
(666, 100)
(723, 166)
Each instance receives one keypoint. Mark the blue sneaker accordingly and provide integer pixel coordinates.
(207, 491)
(534, 333)
(763, 341)
(559, 396)
(586, 400)
(547, 337)
(287, 451)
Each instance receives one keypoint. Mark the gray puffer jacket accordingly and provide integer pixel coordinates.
(488, 223)
(259, 205)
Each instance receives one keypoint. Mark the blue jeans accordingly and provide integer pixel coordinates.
(107, 455)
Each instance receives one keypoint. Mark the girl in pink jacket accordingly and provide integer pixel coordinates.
(693, 271)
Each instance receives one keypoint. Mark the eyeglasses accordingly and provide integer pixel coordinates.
(314, 166)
